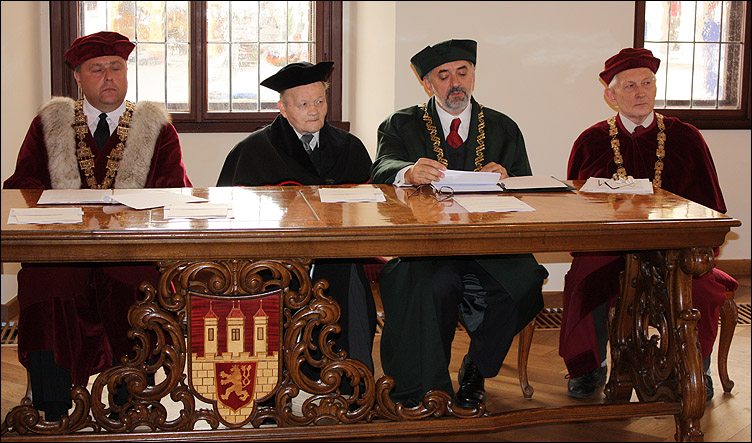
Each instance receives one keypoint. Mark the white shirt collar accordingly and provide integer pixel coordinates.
(630, 126)
(92, 116)
(314, 141)
(446, 120)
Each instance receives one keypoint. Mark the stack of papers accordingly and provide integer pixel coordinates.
(471, 181)
(23, 216)
(134, 198)
(610, 186)
(356, 194)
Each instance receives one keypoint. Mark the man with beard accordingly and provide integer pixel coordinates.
(495, 296)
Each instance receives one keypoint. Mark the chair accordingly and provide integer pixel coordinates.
(373, 268)
(729, 314)
(728, 317)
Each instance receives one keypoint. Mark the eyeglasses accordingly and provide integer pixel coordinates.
(445, 192)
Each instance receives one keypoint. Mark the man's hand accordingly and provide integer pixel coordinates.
(495, 167)
(424, 171)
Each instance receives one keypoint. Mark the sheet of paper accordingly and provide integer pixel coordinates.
(354, 194)
(21, 216)
(610, 186)
(199, 210)
(73, 196)
(492, 203)
(151, 198)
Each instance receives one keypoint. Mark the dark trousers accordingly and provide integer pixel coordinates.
(464, 282)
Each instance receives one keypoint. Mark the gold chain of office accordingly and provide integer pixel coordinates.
(83, 151)
(660, 151)
(437, 141)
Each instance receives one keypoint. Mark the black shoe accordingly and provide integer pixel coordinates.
(471, 392)
(708, 389)
(585, 385)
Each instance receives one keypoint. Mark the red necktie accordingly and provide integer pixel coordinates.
(638, 128)
(454, 138)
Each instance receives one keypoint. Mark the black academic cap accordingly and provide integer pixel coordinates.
(444, 52)
(298, 74)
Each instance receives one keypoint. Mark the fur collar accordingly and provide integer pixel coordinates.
(57, 120)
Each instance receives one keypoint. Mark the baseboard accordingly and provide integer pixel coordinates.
(735, 268)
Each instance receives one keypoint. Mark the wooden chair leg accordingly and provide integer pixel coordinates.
(525, 341)
(729, 314)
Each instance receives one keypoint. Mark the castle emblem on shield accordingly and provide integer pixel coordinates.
(234, 346)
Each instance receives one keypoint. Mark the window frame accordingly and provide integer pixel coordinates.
(328, 35)
(710, 118)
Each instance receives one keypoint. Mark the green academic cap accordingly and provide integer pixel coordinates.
(444, 52)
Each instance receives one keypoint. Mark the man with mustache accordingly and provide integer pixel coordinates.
(496, 296)
(73, 318)
(640, 143)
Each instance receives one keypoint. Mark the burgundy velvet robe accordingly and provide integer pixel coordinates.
(79, 311)
(689, 171)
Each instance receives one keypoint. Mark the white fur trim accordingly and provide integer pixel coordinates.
(57, 120)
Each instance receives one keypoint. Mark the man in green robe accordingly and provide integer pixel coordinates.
(495, 296)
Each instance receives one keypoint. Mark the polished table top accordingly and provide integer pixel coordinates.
(285, 222)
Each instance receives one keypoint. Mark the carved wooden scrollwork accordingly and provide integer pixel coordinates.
(344, 392)
(654, 337)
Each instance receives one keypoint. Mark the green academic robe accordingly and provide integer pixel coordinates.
(411, 348)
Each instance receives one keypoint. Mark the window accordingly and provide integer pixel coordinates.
(704, 47)
(204, 60)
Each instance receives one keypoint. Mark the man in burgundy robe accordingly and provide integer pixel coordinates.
(73, 317)
(592, 282)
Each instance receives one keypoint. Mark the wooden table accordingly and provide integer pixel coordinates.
(278, 231)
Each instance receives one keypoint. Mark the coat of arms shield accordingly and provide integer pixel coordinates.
(234, 347)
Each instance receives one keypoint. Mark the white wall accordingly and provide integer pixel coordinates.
(538, 62)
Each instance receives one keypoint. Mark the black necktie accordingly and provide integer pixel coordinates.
(102, 134)
(307, 142)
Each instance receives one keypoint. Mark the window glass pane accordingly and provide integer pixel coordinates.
(245, 82)
(150, 22)
(656, 29)
(178, 23)
(681, 25)
(218, 71)
(705, 87)
(299, 21)
(679, 75)
(178, 64)
(272, 58)
(151, 72)
(245, 21)
(122, 18)
(217, 21)
(730, 87)
(708, 22)
(273, 21)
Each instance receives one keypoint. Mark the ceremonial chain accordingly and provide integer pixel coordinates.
(86, 157)
(660, 151)
(437, 141)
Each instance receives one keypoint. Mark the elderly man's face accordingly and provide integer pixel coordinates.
(104, 81)
(304, 107)
(452, 83)
(633, 93)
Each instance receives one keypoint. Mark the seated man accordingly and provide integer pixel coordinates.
(73, 320)
(301, 148)
(423, 297)
(641, 143)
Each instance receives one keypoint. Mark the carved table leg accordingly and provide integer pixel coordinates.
(654, 343)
